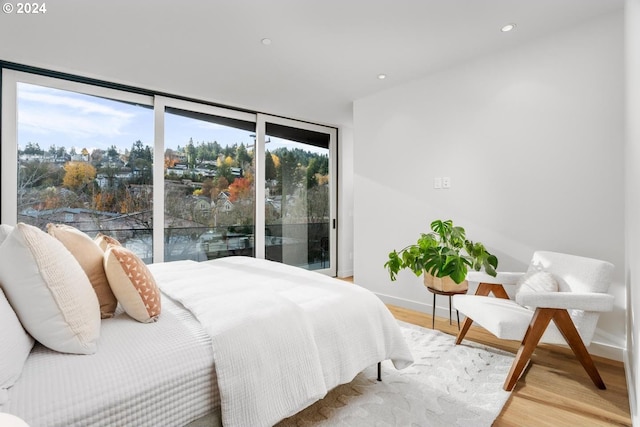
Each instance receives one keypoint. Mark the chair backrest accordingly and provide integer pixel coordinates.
(574, 273)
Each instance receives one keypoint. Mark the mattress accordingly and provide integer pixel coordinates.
(154, 374)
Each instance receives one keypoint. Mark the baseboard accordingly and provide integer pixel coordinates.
(344, 273)
(631, 389)
(418, 306)
(607, 351)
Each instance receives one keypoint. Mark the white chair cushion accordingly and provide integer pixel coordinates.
(49, 291)
(509, 320)
(15, 348)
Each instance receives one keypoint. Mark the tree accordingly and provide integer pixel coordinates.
(221, 184)
(113, 154)
(242, 156)
(312, 169)
(224, 171)
(96, 156)
(141, 162)
(170, 158)
(241, 189)
(270, 167)
(32, 176)
(78, 175)
(33, 149)
(190, 151)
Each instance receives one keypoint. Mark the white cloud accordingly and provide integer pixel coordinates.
(49, 111)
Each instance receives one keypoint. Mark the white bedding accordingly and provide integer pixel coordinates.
(163, 373)
(155, 374)
(282, 336)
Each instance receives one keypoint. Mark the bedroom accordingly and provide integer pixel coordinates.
(558, 70)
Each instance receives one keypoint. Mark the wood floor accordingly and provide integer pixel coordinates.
(554, 390)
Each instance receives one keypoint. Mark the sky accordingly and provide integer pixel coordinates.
(48, 116)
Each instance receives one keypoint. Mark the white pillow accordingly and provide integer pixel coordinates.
(5, 230)
(536, 281)
(15, 348)
(49, 291)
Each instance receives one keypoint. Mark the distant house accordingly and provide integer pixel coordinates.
(222, 202)
(202, 204)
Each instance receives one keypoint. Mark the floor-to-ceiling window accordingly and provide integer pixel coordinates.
(209, 182)
(171, 179)
(83, 158)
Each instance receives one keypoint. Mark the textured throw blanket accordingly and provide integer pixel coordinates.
(282, 336)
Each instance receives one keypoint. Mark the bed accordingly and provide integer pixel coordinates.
(240, 341)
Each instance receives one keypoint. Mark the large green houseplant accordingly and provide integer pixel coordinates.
(444, 252)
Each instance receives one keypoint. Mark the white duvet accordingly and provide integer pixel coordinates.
(282, 336)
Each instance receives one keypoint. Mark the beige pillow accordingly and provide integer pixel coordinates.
(103, 240)
(49, 291)
(132, 283)
(90, 257)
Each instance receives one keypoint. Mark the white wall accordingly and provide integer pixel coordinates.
(532, 139)
(345, 202)
(632, 156)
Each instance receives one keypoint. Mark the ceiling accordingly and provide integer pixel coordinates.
(324, 54)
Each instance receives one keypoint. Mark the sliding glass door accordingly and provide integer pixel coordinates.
(170, 179)
(299, 212)
(209, 182)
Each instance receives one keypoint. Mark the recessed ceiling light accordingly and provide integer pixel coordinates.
(508, 27)
(382, 76)
(266, 42)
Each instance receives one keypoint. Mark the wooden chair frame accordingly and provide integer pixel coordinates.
(535, 330)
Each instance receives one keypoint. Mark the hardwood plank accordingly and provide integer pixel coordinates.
(554, 390)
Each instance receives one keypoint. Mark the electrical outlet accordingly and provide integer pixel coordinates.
(437, 182)
(446, 182)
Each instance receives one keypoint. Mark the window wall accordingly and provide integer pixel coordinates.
(169, 178)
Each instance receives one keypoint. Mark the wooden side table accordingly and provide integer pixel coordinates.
(446, 293)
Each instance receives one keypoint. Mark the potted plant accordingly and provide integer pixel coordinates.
(444, 256)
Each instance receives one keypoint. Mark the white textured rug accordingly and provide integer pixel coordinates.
(448, 385)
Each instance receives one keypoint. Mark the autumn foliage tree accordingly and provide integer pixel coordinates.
(241, 189)
(78, 175)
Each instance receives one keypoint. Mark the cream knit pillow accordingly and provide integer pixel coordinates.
(49, 291)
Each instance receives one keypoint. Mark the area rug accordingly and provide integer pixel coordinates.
(448, 385)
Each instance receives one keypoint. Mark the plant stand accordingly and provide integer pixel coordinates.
(446, 293)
